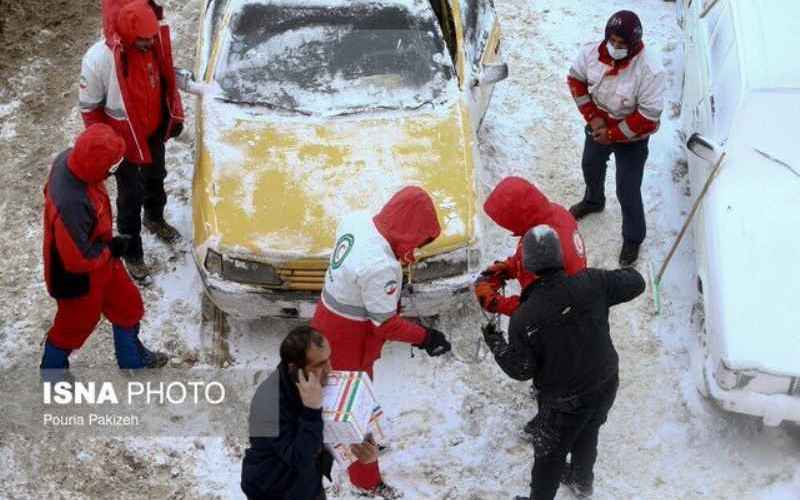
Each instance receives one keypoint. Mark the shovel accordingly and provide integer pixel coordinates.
(707, 150)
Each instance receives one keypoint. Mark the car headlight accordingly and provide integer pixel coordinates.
(447, 265)
(242, 271)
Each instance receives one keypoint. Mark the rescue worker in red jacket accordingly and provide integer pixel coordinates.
(128, 82)
(358, 310)
(619, 89)
(517, 205)
(82, 266)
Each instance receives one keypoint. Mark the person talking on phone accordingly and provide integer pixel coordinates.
(286, 459)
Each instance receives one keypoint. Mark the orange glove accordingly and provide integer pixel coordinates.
(486, 292)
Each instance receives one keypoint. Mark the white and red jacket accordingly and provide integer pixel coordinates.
(358, 309)
(628, 94)
(102, 97)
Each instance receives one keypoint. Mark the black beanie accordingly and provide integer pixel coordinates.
(541, 249)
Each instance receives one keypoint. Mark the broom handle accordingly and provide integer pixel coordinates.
(688, 221)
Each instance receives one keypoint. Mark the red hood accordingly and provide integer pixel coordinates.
(95, 151)
(408, 221)
(111, 9)
(516, 205)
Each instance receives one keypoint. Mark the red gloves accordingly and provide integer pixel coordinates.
(487, 290)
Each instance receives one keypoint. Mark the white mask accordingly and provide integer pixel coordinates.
(616, 53)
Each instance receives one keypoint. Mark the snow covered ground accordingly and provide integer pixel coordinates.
(455, 427)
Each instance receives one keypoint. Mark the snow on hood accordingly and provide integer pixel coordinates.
(517, 205)
(277, 185)
(751, 221)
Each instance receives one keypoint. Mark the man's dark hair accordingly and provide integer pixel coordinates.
(297, 342)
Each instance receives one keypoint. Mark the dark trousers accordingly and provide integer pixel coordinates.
(141, 186)
(568, 426)
(630, 158)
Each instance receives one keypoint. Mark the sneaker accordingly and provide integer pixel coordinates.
(582, 209)
(138, 270)
(383, 490)
(162, 230)
(629, 254)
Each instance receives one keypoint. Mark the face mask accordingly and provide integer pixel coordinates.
(616, 53)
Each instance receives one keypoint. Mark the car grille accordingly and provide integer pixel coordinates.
(309, 277)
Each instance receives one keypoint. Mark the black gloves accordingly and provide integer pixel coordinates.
(435, 343)
(119, 245)
(492, 337)
(177, 128)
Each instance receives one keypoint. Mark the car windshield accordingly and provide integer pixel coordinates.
(335, 60)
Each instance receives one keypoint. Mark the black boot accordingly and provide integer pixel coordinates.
(582, 490)
(584, 208)
(163, 230)
(151, 359)
(629, 254)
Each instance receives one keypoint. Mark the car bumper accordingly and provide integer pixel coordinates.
(773, 408)
(251, 302)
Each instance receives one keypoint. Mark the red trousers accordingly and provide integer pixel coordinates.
(111, 293)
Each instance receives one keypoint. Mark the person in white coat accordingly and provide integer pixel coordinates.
(619, 90)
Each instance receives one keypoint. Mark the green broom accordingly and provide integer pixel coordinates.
(655, 279)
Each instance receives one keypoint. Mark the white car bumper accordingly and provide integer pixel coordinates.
(773, 408)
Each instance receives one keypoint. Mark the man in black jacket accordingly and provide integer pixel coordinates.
(560, 338)
(286, 459)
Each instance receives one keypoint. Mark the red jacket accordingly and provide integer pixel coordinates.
(77, 213)
(406, 222)
(123, 22)
(517, 205)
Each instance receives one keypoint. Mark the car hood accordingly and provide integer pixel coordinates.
(752, 237)
(275, 187)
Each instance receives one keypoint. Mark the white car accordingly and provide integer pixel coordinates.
(742, 92)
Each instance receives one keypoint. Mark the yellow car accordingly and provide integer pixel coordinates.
(310, 109)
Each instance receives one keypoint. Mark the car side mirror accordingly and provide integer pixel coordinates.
(492, 73)
(704, 147)
(185, 81)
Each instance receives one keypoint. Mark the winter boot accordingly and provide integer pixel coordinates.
(138, 270)
(530, 427)
(629, 254)
(131, 354)
(152, 359)
(162, 230)
(55, 364)
(584, 208)
(383, 490)
(580, 489)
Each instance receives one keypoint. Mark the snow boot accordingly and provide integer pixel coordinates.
(629, 254)
(580, 490)
(383, 490)
(161, 229)
(131, 354)
(138, 270)
(583, 208)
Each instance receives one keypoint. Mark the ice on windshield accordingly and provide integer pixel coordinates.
(330, 60)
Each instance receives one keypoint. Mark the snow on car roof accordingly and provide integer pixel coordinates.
(769, 35)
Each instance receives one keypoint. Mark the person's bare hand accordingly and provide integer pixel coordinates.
(597, 123)
(310, 390)
(600, 136)
(366, 452)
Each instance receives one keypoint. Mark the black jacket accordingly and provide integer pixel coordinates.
(559, 336)
(289, 466)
